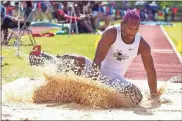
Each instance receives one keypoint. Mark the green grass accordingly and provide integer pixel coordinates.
(175, 33)
(14, 67)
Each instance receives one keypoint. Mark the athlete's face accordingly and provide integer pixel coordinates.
(130, 28)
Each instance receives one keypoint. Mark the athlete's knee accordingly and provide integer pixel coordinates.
(133, 94)
(130, 94)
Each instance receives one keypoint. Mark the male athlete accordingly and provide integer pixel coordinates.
(115, 53)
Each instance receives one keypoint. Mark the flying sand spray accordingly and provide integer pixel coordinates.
(38, 57)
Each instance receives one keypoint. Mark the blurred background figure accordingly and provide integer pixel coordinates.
(99, 15)
(10, 22)
(174, 12)
(38, 11)
(3, 12)
(43, 10)
(9, 8)
(166, 12)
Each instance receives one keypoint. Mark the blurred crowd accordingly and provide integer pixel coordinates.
(153, 12)
(88, 15)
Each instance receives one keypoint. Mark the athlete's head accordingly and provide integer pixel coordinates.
(130, 23)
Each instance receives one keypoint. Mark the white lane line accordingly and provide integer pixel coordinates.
(162, 51)
(172, 44)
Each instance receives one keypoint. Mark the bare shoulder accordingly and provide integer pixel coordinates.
(144, 47)
(109, 36)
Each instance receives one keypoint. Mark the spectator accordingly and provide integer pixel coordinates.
(146, 14)
(174, 11)
(138, 10)
(86, 5)
(38, 11)
(9, 8)
(94, 9)
(43, 9)
(3, 12)
(154, 12)
(16, 10)
(99, 15)
(55, 6)
(166, 13)
(49, 10)
(66, 8)
(84, 24)
(12, 22)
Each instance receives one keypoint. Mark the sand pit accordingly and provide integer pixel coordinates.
(167, 108)
(69, 88)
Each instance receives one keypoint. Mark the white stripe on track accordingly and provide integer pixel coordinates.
(162, 51)
(172, 44)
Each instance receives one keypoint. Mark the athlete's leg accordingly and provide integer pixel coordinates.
(74, 62)
(131, 94)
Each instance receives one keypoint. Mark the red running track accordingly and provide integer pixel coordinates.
(166, 61)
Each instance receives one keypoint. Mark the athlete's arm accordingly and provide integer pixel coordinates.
(145, 51)
(108, 38)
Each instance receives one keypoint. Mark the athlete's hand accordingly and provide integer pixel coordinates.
(158, 93)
